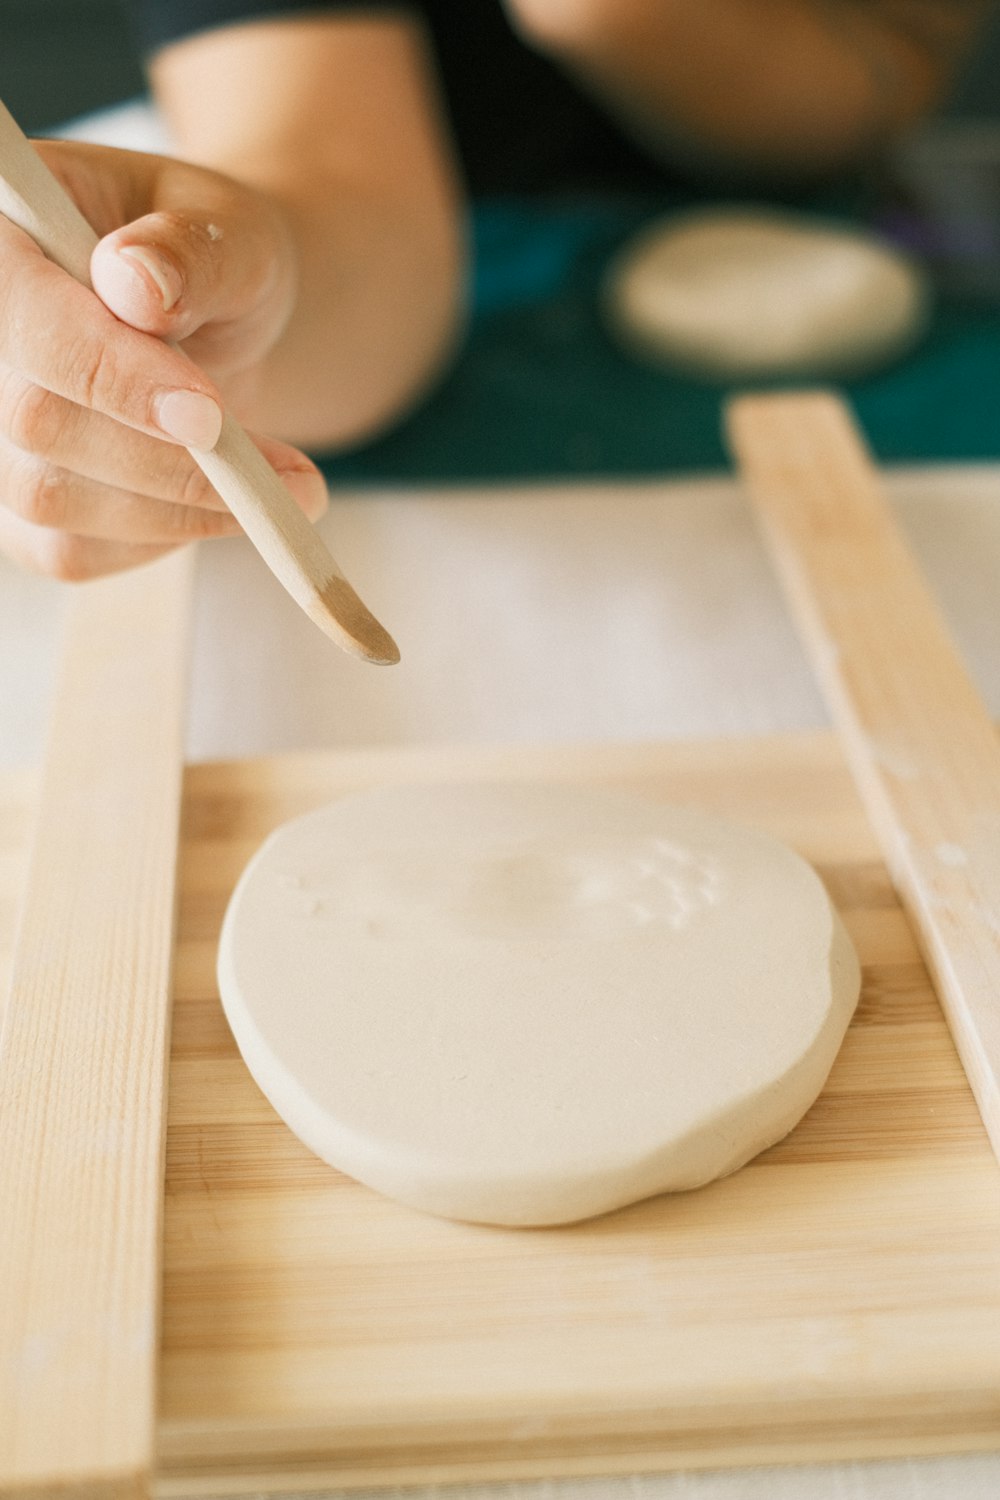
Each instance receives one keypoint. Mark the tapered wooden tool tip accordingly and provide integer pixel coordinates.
(339, 612)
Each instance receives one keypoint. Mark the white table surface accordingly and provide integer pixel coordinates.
(616, 611)
(598, 612)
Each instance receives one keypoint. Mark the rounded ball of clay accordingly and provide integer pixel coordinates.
(739, 294)
(527, 1004)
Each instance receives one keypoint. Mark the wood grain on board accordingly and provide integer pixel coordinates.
(84, 1049)
(915, 730)
(838, 1297)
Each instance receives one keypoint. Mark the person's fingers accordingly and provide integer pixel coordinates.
(56, 499)
(47, 427)
(171, 273)
(186, 253)
(87, 391)
(212, 260)
(58, 335)
(59, 554)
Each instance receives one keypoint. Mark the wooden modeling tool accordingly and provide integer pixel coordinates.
(31, 198)
(922, 748)
(83, 1053)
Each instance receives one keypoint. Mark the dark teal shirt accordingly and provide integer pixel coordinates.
(520, 123)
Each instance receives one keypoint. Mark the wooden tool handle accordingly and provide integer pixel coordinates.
(921, 745)
(31, 197)
(83, 1054)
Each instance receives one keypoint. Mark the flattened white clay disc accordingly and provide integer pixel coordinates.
(528, 1004)
(740, 293)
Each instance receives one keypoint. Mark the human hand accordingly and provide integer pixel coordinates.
(92, 410)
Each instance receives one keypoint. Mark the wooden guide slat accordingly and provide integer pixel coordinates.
(84, 1049)
(916, 732)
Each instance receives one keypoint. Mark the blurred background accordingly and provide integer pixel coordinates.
(542, 389)
(59, 58)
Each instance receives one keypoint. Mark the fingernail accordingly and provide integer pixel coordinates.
(164, 276)
(189, 418)
(309, 492)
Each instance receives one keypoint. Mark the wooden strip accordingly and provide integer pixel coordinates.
(316, 1334)
(84, 1051)
(917, 734)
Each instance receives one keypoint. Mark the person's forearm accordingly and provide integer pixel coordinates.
(336, 121)
(377, 312)
(784, 87)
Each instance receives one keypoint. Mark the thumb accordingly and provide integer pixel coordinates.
(172, 273)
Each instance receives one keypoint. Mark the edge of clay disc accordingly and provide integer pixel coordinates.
(432, 1187)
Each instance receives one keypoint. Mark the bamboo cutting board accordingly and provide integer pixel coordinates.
(839, 1297)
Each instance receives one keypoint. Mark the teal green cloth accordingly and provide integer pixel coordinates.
(541, 390)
